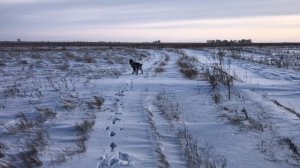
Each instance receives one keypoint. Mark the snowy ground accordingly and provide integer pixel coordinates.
(82, 107)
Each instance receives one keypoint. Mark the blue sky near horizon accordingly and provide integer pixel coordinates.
(143, 20)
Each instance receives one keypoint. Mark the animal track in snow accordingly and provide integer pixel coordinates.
(115, 120)
(113, 145)
(115, 160)
(112, 133)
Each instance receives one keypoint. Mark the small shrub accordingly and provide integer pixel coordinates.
(167, 58)
(293, 111)
(84, 126)
(169, 108)
(244, 121)
(245, 112)
(163, 161)
(24, 124)
(69, 55)
(23, 62)
(292, 146)
(64, 67)
(88, 59)
(2, 149)
(60, 157)
(159, 70)
(188, 67)
(199, 156)
(98, 101)
(81, 146)
(69, 105)
(162, 64)
(29, 156)
(45, 114)
(190, 73)
(216, 95)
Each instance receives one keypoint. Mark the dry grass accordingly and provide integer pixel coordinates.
(81, 146)
(84, 126)
(170, 109)
(89, 59)
(2, 150)
(163, 161)
(45, 114)
(243, 120)
(69, 105)
(97, 103)
(199, 156)
(188, 67)
(292, 147)
(59, 157)
(167, 58)
(161, 65)
(29, 156)
(63, 67)
(293, 111)
(159, 70)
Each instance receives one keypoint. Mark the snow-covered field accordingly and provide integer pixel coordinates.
(83, 107)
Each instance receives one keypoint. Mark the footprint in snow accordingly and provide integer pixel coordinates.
(115, 160)
(112, 145)
(115, 120)
(121, 93)
(112, 133)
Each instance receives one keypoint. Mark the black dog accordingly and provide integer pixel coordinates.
(135, 66)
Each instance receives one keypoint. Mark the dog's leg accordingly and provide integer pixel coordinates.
(141, 70)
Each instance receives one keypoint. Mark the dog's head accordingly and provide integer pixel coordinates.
(130, 61)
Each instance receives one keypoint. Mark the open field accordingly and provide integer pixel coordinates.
(212, 106)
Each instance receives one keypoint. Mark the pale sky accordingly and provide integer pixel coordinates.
(149, 20)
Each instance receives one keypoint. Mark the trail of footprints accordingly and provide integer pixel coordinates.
(117, 115)
(114, 159)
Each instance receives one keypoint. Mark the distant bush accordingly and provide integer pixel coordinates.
(89, 59)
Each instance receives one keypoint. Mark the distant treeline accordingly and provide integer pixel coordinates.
(242, 41)
(136, 45)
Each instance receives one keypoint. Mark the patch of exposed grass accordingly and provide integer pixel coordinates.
(89, 59)
(293, 111)
(170, 109)
(188, 67)
(199, 156)
(292, 147)
(163, 161)
(242, 119)
(159, 70)
(97, 103)
(84, 126)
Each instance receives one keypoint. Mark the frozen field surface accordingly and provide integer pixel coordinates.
(212, 107)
